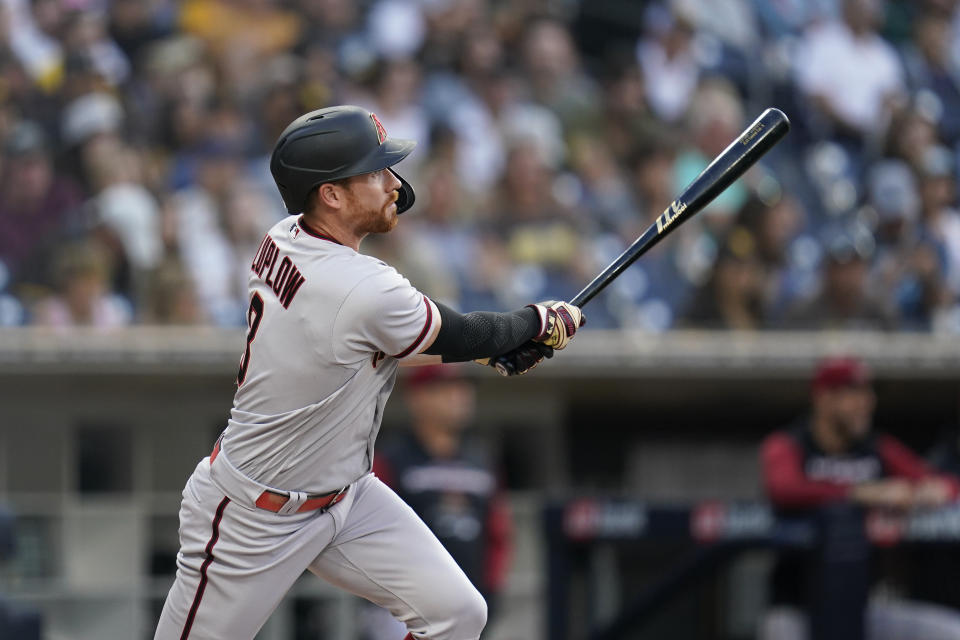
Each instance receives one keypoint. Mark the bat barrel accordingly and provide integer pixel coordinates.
(743, 153)
(733, 162)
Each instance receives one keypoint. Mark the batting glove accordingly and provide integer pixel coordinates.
(520, 360)
(559, 321)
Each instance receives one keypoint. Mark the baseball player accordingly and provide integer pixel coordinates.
(288, 485)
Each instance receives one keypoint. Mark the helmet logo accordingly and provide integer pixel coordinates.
(381, 132)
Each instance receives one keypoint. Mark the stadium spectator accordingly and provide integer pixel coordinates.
(930, 69)
(911, 133)
(217, 224)
(733, 296)
(37, 206)
(940, 220)
(775, 221)
(832, 457)
(439, 249)
(84, 297)
(844, 300)
(626, 122)
(553, 68)
(241, 34)
(445, 474)
(651, 176)
(851, 75)
(715, 119)
(908, 269)
(603, 192)
(162, 79)
(123, 210)
(171, 298)
(539, 234)
(669, 64)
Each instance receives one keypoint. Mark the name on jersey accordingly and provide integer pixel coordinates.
(843, 470)
(285, 279)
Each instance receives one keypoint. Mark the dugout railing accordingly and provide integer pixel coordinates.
(836, 542)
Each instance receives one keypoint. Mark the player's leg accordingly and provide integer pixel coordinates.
(376, 623)
(784, 623)
(235, 564)
(385, 553)
(894, 619)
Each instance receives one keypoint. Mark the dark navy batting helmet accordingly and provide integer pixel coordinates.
(332, 144)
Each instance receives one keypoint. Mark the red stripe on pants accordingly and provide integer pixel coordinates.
(203, 569)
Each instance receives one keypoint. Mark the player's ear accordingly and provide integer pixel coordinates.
(329, 195)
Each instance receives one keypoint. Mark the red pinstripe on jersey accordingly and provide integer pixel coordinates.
(423, 334)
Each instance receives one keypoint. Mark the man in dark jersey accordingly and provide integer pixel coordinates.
(827, 462)
(448, 478)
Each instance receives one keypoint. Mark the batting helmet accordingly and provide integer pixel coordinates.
(331, 144)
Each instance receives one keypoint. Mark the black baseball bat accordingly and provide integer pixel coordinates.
(743, 153)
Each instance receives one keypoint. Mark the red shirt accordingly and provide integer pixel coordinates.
(797, 474)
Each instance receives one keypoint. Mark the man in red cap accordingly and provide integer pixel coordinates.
(832, 459)
(447, 477)
(834, 455)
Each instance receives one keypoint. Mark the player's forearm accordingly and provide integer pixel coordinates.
(421, 360)
(805, 494)
(482, 334)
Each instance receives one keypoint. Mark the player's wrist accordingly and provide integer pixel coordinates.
(542, 325)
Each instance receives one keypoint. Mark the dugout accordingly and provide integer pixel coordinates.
(98, 432)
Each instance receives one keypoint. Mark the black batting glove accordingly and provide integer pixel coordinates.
(521, 359)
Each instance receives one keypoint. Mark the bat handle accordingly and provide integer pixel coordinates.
(582, 298)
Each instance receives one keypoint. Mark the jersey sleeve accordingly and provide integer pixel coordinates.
(384, 313)
(784, 479)
(901, 462)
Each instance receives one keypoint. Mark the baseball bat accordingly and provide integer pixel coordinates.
(743, 153)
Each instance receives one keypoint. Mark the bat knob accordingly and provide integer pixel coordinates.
(501, 369)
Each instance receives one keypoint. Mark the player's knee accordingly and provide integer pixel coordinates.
(460, 615)
(471, 614)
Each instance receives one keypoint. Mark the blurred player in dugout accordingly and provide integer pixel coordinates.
(445, 474)
(831, 466)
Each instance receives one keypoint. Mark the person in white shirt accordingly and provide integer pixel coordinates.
(851, 74)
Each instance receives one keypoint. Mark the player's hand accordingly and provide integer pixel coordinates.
(520, 360)
(932, 492)
(890, 493)
(559, 321)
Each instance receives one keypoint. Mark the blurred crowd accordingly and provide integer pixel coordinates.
(136, 137)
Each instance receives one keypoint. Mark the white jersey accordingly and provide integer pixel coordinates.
(327, 329)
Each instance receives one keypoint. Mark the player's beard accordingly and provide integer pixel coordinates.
(373, 220)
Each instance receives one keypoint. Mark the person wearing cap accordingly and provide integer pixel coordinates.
(832, 457)
(445, 474)
(288, 486)
(36, 204)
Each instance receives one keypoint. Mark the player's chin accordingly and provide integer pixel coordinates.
(387, 221)
(391, 214)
